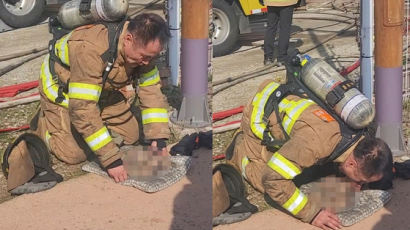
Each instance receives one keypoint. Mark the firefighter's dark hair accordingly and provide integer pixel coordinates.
(373, 155)
(149, 27)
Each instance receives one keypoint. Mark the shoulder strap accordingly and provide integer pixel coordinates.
(57, 30)
(272, 105)
(110, 55)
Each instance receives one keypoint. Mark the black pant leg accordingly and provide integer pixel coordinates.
(285, 23)
(270, 33)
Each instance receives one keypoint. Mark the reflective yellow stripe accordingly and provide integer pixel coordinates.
(48, 136)
(50, 87)
(150, 78)
(296, 202)
(258, 126)
(282, 166)
(293, 112)
(98, 139)
(154, 115)
(61, 49)
(245, 162)
(84, 91)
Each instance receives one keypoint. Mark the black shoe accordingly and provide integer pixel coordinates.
(268, 61)
(279, 63)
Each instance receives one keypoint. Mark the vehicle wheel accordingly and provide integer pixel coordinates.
(226, 31)
(21, 13)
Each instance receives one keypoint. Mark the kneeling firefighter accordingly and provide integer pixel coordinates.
(89, 81)
(288, 128)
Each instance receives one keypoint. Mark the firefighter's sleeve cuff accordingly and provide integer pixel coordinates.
(311, 211)
(114, 164)
(109, 157)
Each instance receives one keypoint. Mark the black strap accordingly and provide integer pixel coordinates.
(85, 6)
(338, 93)
(231, 147)
(109, 56)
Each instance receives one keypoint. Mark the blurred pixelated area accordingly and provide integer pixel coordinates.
(334, 193)
(145, 162)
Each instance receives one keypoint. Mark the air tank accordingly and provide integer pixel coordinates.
(70, 16)
(354, 108)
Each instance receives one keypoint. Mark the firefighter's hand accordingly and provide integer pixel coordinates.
(326, 220)
(154, 146)
(119, 174)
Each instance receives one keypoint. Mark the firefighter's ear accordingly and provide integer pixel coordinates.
(128, 39)
(351, 162)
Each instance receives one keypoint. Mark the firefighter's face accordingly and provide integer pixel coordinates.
(136, 54)
(352, 169)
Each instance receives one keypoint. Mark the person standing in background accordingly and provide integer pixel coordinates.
(279, 12)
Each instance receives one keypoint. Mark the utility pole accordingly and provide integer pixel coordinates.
(194, 110)
(389, 15)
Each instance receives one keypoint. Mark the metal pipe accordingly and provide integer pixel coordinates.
(388, 73)
(366, 49)
(174, 48)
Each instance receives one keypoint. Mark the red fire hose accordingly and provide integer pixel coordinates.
(24, 127)
(13, 90)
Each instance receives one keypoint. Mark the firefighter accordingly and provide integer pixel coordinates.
(82, 118)
(313, 134)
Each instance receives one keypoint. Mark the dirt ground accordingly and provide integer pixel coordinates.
(340, 52)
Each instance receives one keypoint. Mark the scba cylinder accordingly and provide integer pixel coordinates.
(70, 15)
(352, 106)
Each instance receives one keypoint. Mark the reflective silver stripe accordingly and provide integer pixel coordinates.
(84, 91)
(296, 202)
(296, 110)
(150, 78)
(153, 115)
(283, 166)
(61, 49)
(98, 139)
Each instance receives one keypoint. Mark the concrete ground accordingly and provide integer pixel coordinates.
(95, 202)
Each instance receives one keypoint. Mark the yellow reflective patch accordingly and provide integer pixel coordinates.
(84, 91)
(154, 115)
(50, 87)
(258, 126)
(245, 162)
(98, 139)
(293, 112)
(150, 78)
(61, 49)
(284, 167)
(296, 202)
